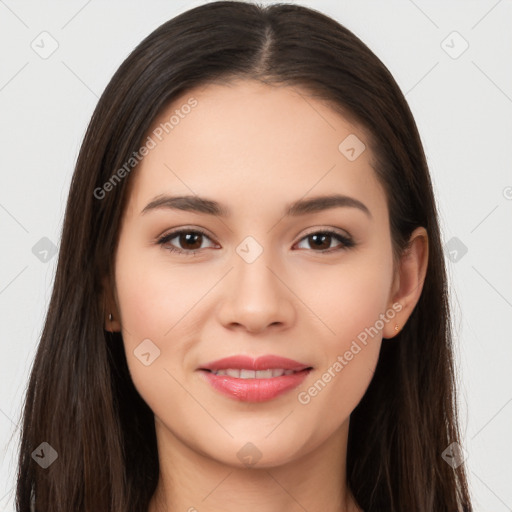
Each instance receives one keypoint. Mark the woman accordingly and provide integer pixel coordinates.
(250, 306)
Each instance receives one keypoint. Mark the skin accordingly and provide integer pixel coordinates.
(256, 149)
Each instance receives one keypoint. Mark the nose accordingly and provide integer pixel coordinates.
(256, 297)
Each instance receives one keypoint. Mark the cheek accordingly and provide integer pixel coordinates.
(349, 358)
(353, 309)
(153, 297)
(153, 304)
(351, 299)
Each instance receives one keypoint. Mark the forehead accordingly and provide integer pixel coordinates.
(246, 140)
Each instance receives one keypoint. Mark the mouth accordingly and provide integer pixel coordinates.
(254, 380)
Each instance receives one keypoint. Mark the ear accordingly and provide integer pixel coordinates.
(408, 280)
(109, 307)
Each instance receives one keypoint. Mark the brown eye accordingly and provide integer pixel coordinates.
(185, 241)
(322, 241)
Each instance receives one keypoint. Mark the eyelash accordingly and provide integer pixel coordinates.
(346, 242)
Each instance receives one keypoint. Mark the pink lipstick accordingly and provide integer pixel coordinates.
(254, 380)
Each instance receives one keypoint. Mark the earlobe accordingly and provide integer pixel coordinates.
(408, 284)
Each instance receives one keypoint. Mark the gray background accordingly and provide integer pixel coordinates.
(462, 102)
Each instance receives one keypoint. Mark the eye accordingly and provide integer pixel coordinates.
(189, 240)
(323, 240)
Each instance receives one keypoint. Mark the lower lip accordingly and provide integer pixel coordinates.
(255, 390)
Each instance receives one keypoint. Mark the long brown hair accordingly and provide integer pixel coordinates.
(81, 399)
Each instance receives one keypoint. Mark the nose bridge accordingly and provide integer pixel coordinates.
(253, 278)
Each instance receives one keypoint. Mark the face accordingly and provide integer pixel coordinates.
(253, 273)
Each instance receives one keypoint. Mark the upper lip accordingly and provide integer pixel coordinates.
(266, 362)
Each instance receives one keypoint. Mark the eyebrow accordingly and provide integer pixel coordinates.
(207, 206)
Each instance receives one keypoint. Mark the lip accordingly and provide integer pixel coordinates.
(255, 390)
(266, 362)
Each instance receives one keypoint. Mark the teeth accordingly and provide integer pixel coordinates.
(251, 374)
